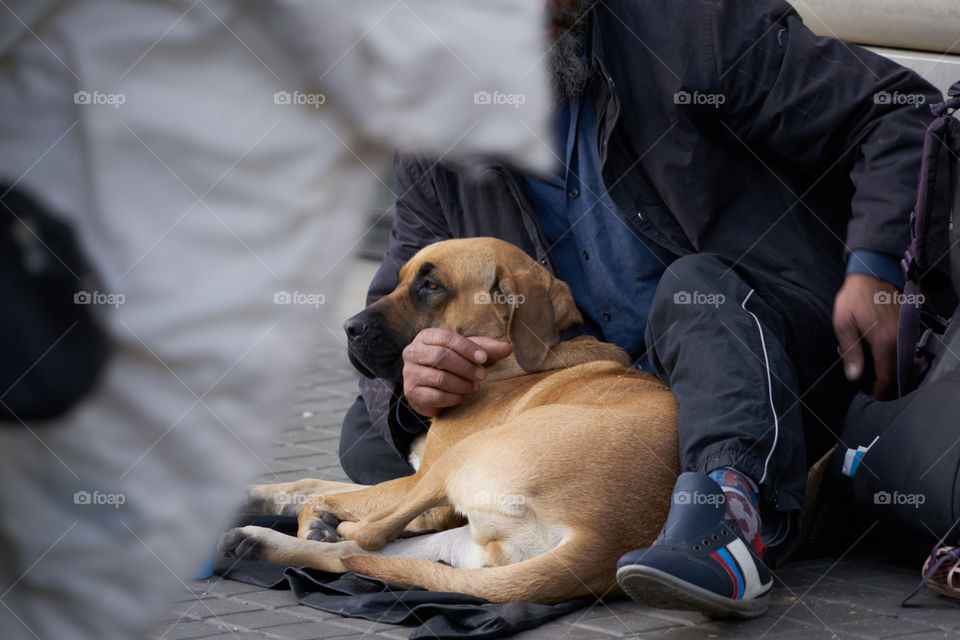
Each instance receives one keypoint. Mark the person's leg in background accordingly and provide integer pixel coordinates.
(198, 222)
(739, 351)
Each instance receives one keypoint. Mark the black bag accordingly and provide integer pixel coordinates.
(901, 459)
(53, 346)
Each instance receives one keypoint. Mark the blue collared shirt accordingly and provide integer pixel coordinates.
(612, 269)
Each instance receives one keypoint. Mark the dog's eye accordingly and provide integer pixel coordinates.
(429, 286)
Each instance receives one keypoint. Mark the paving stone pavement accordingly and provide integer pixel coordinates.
(844, 593)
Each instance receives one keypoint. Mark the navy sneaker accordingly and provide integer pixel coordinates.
(699, 562)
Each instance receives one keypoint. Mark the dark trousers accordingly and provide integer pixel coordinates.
(364, 454)
(752, 361)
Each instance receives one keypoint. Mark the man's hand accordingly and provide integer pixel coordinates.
(868, 308)
(440, 367)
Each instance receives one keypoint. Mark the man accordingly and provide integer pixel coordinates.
(732, 196)
(214, 159)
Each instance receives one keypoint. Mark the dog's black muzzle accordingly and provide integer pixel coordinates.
(373, 350)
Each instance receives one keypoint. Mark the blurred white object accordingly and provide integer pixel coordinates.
(215, 159)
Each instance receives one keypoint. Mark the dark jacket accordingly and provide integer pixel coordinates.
(726, 126)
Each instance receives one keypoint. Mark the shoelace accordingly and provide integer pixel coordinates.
(951, 554)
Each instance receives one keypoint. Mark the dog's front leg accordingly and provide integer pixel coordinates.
(287, 498)
(321, 516)
(377, 529)
(260, 543)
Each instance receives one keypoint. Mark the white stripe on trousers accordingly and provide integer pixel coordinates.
(766, 362)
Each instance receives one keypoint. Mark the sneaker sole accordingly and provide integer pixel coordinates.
(656, 588)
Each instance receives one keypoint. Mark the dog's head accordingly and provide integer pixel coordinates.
(474, 286)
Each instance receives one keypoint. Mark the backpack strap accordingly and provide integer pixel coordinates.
(916, 262)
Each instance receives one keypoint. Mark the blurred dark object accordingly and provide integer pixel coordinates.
(53, 347)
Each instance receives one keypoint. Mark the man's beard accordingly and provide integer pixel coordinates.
(569, 71)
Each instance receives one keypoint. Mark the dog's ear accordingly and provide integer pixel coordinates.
(565, 312)
(532, 328)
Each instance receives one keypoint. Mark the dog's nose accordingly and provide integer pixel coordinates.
(355, 327)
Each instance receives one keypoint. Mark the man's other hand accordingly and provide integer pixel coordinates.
(441, 367)
(868, 308)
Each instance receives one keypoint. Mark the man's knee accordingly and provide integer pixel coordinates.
(691, 273)
(690, 282)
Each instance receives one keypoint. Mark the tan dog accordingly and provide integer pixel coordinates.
(535, 486)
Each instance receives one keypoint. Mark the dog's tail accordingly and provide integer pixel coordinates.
(555, 576)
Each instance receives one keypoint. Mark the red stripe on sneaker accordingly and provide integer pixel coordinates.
(730, 572)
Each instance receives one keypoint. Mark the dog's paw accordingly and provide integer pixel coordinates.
(323, 529)
(242, 542)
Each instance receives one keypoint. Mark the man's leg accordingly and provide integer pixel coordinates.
(364, 455)
(723, 345)
(737, 349)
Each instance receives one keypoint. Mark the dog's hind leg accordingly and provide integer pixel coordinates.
(567, 571)
(454, 547)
